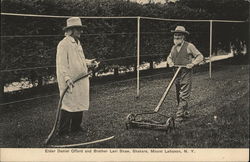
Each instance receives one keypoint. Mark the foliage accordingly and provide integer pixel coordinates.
(111, 38)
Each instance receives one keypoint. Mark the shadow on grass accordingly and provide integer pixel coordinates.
(225, 128)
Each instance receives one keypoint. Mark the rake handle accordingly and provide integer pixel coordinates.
(167, 89)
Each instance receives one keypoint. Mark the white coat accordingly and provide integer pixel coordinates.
(70, 63)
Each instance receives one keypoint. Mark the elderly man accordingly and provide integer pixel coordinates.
(70, 63)
(185, 54)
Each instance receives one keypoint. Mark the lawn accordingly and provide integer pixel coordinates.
(226, 96)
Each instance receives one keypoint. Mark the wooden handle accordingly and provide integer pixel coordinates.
(167, 90)
(60, 105)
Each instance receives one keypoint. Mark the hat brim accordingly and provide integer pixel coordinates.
(180, 31)
(74, 26)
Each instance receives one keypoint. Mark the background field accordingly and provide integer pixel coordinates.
(226, 95)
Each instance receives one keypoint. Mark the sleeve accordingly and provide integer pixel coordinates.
(88, 62)
(169, 58)
(198, 57)
(62, 61)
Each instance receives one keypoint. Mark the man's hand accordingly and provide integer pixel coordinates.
(71, 85)
(170, 64)
(190, 66)
(93, 63)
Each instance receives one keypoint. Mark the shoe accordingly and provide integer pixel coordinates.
(186, 114)
(62, 133)
(65, 136)
(179, 119)
(179, 113)
(79, 129)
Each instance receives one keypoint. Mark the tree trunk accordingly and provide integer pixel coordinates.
(215, 50)
(116, 72)
(40, 81)
(1, 88)
(135, 68)
(151, 65)
(93, 74)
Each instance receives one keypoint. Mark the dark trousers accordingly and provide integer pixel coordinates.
(69, 121)
(183, 85)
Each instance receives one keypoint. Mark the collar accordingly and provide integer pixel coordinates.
(180, 45)
(71, 39)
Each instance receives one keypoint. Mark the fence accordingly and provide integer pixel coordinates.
(137, 35)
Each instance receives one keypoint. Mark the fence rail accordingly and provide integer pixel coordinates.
(138, 34)
(54, 66)
(116, 17)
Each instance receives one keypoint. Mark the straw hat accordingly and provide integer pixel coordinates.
(180, 29)
(73, 22)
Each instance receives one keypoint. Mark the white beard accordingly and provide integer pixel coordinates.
(178, 41)
(68, 33)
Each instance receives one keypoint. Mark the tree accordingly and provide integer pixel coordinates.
(108, 39)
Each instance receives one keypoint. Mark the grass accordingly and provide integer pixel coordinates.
(226, 96)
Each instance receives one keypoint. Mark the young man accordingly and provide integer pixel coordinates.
(185, 54)
(70, 63)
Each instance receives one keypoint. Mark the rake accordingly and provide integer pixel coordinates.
(135, 121)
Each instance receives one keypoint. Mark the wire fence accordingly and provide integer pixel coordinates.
(57, 94)
(98, 34)
(54, 66)
(64, 17)
(115, 17)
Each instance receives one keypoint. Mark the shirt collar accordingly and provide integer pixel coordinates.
(71, 39)
(180, 45)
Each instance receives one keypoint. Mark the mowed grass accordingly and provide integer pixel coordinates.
(226, 96)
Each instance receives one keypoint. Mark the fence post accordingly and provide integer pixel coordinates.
(1, 88)
(210, 48)
(138, 57)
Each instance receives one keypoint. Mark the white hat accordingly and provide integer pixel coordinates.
(73, 22)
(180, 29)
